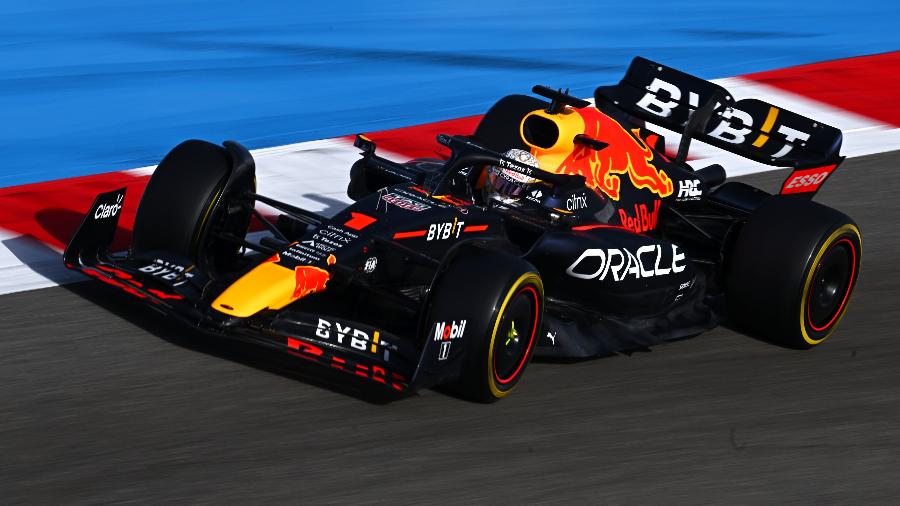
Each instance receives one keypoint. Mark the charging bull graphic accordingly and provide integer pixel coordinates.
(626, 153)
(309, 280)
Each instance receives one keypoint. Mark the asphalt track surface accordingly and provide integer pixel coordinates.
(102, 402)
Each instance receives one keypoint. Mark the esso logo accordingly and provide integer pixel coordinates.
(808, 180)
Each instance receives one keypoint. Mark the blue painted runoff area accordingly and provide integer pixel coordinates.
(103, 85)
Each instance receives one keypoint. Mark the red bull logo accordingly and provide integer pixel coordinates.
(643, 219)
(626, 154)
(309, 280)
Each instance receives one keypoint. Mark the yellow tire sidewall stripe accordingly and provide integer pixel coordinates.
(198, 234)
(524, 278)
(849, 227)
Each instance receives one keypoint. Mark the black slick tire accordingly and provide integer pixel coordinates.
(792, 271)
(499, 298)
(197, 187)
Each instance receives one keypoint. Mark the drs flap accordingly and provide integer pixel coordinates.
(750, 128)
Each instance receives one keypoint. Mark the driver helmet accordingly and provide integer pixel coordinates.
(507, 187)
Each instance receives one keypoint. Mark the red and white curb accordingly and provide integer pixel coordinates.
(856, 95)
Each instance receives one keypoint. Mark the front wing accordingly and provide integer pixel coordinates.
(175, 288)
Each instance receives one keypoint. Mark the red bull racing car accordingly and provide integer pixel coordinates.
(559, 228)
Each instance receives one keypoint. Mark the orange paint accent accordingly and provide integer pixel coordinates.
(359, 221)
(331, 260)
(309, 280)
(475, 228)
(582, 228)
(407, 235)
(115, 272)
(443, 198)
(481, 179)
(337, 362)
(452, 200)
(118, 284)
(296, 344)
(163, 295)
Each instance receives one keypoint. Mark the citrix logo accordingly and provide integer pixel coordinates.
(576, 202)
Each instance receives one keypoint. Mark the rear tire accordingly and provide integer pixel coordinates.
(792, 272)
(500, 297)
(197, 188)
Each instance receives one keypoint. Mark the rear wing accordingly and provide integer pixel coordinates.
(751, 128)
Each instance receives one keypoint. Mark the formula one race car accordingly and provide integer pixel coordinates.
(557, 227)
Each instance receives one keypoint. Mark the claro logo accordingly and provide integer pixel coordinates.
(649, 261)
(104, 211)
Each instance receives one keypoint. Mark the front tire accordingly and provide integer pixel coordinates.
(500, 299)
(197, 191)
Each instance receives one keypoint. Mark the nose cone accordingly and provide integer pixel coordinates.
(270, 286)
